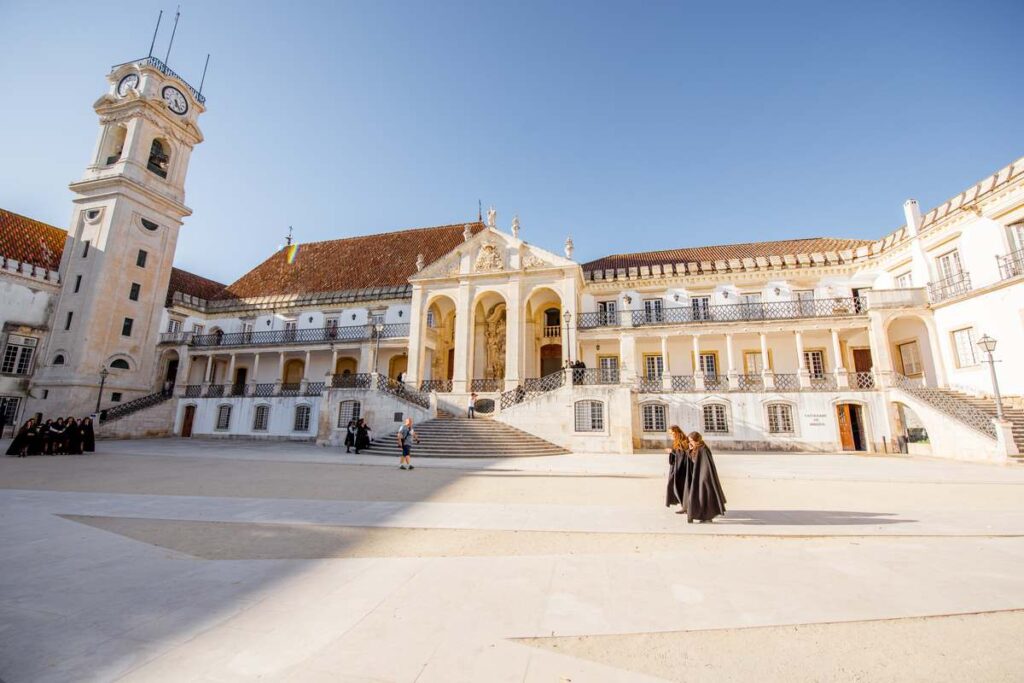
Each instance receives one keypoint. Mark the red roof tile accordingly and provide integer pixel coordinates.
(383, 260)
(30, 241)
(809, 245)
(191, 284)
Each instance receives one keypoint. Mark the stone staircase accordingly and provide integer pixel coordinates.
(448, 436)
(988, 406)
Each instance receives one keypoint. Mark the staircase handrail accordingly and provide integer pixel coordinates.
(948, 404)
(400, 390)
(533, 387)
(133, 406)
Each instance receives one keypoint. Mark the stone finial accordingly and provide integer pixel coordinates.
(568, 247)
(467, 232)
(420, 262)
(515, 226)
(492, 218)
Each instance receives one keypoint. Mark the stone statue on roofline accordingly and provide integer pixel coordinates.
(492, 218)
(515, 226)
(568, 247)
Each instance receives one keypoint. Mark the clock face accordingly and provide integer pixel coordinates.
(175, 100)
(127, 83)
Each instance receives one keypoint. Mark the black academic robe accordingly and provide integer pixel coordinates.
(20, 442)
(701, 495)
(56, 436)
(35, 441)
(88, 438)
(72, 438)
(676, 470)
(362, 438)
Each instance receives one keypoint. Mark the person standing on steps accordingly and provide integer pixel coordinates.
(471, 408)
(406, 435)
(362, 435)
(350, 436)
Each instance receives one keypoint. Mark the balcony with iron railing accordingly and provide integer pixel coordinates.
(949, 287)
(772, 310)
(175, 338)
(313, 335)
(1011, 265)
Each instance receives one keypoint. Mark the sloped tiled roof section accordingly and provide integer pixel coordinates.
(192, 285)
(354, 263)
(724, 252)
(30, 241)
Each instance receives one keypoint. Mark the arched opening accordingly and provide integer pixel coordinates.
(58, 359)
(397, 366)
(489, 341)
(911, 349)
(294, 370)
(544, 352)
(345, 366)
(439, 340)
(169, 362)
(113, 144)
(910, 433)
(159, 157)
(119, 364)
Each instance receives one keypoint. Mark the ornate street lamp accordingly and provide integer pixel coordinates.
(988, 345)
(104, 373)
(378, 327)
(567, 317)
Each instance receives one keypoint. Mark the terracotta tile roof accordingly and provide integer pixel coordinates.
(722, 252)
(30, 241)
(383, 260)
(191, 284)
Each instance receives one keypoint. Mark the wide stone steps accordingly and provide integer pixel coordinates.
(988, 406)
(455, 437)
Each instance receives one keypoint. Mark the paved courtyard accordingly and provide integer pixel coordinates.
(173, 560)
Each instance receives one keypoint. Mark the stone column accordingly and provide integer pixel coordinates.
(304, 382)
(230, 379)
(513, 336)
(880, 357)
(937, 361)
(208, 375)
(666, 377)
(463, 338)
(280, 369)
(417, 338)
(334, 361)
(767, 371)
(255, 372)
(627, 349)
(842, 377)
(803, 374)
(730, 354)
(698, 375)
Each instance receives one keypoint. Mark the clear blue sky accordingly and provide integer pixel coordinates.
(634, 126)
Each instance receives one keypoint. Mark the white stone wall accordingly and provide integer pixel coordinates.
(280, 425)
(382, 411)
(551, 416)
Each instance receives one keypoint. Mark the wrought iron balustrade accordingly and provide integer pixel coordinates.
(716, 383)
(862, 380)
(312, 335)
(443, 386)
(824, 383)
(264, 389)
(683, 383)
(786, 381)
(193, 390)
(533, 387)
(650, 385)
(237, 390)
(949, 404)
(949, 287)
(590, 376)
(1011, 265)
(586, 321)
(350, 380)
(396, 388)
(133, 406)
(215, 391)
(315, 388)
(771, 310)
(290, 389)
(175, 337)
(749, 382)
(486, 384)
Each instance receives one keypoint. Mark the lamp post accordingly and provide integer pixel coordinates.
(567, 317)
(988, 345)
(377, 329)
(104, 373)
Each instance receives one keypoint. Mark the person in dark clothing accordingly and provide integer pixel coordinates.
(22, 439)
(701, 497)
(88, 436)
(350, 436)
(57, 437)
(677, 457)
(45, 442)
(72, 437)
(578, 373)
(362, 435)
(35, 438)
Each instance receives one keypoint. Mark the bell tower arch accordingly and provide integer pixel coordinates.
(126, 214)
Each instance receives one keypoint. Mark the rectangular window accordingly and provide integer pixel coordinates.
(752, 363)
(173, 325)
(654, 367)
(814, 361)
(966, 348)
(133, 294)
(949, 265)
(302, 418)
(750, 306)
(18, 355)
(126, 327)
(431, 323)
(348, 411)
(140, 260)
(606, 311)
(904, 280)
(910, 357)
(223, 417)
(609, 368)
(197, 328)
(709, 364)
(261, 419)
(78, 283)
(290, 327)
(332, 325)
(805, 301)
(589, 416)
(9, 409)
(715, 418)
(780, 419)
(1015, 235)
(115, 397)
(85, 248)
(654, 417)
(67, 321)
(700, 306)
(653, 311)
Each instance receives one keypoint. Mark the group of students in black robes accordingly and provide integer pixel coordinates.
(693, 478)
(63, 436)
(357, 435)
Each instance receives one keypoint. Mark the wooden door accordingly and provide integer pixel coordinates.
(186, 423)
(451, 363)
(550, 359)
(845, 427)
(862, 360)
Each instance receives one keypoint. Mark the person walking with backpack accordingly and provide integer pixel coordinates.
(406, 437)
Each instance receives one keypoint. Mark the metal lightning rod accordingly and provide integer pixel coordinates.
(203, 79)
(155, 31)
(173, 31)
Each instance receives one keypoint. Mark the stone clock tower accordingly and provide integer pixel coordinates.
(128, 208)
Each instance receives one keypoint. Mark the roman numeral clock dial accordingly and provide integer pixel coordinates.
(175, 99)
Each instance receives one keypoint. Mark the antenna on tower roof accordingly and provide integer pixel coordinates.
(173, 31)
(479, 211)
(203, 80)
(155, 31)
(288, 240)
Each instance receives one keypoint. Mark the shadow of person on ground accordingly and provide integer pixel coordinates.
(809, 518)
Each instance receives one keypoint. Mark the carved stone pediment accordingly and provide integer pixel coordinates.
(532, 260)
(489, 259)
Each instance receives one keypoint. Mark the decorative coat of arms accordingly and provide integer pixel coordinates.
(488, 259)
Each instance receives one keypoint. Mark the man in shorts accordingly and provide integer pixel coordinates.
(406, 435)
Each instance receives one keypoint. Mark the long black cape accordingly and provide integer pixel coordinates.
(701, 496)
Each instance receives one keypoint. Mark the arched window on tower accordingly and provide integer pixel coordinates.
(120, 364)
(113, 144)
(159, 158)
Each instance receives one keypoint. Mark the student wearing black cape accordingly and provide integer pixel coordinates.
(701, 495)
(88, 436)
(676, 467)
(22, 440)
(362, 435)
(72, 437)
(350, 436)
(56, 436)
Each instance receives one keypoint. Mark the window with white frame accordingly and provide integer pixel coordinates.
(9, 409)
(780, 418)
(805, 300)
(261, 418)
(904, 280)
(752, 362)
(700, 307)
(653, 310)
(653, 415)
(290, 326)
(173, 325)
(606, 312)
(709, 364)
(589, 416)
(715, 418)
(18, 355)
(348, 411)
(654, 366)
(750, 304)
(910, 357)
(814, 361)
(949, 265)
(966, 347)
(1015, 235)
(302, 413)
(431, 322)
(197, 328)
(223, 417)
